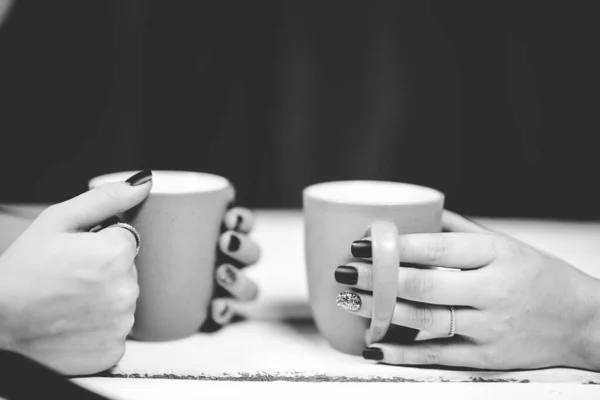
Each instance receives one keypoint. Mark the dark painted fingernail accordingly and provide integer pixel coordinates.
(224, 310)
(372, 353)
(140, 178)
(238, 223)
(234, 243)
(346, 275)
(226, 275)
(105, 224)
(361, 249)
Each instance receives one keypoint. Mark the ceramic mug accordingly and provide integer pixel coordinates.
(338, 213)
(179, 225)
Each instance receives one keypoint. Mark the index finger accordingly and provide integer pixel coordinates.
(452, 250)
(95, 205)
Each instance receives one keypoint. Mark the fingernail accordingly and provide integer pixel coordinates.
(349, 301)
(372, 353)
(105, 224)
(234, 243)
(346, 275)
(221, 311)
(238, 223)
(226, 275)
(140, 178)
(224, 310)
(361, 249)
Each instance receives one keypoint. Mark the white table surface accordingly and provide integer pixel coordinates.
(277, 350)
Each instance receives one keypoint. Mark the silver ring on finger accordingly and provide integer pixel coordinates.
(133, 231)
(452, 321)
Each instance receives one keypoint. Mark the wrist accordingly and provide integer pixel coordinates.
(589, 338)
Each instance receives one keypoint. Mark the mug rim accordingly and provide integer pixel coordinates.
(437, 195)
(222, 182)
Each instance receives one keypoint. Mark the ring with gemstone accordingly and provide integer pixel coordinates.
(349, 301)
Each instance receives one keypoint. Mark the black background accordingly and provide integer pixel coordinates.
(495, 104)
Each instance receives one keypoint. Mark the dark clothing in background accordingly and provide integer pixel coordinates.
(493, 104)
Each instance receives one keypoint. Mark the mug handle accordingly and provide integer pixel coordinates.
(385, 270)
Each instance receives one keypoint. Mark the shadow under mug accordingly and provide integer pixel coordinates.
(179, 224)
(338, 213)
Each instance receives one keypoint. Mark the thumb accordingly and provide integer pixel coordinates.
(98, 204)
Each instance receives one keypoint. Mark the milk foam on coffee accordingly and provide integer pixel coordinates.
(372, 192)
(171, 181)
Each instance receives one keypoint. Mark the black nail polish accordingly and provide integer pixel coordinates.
(226, 275)
(140, 178)
(372, 353)
(361, 249)
(346, 275)
(224, 310)
(238, 223)
(105, 224)
(234, 243)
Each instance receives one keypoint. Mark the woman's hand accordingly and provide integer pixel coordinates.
(67, 296)
(236, 251)
(516, 307)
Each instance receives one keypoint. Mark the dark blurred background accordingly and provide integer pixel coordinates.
(493, 103)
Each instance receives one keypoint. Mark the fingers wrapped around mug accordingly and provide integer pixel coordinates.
(236, 283)
(423, 285)
(239, 219)
(462, 250)
(455, 352)
(431, 318)
(239, 248)
(221, 311)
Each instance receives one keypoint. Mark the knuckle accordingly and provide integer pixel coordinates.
(91, 278)
(421, 285)
(106, 194)
(118, 249)
(115, 353)
(127, 296)
(397, 357)
(490, 327)
(493, 332)
(53, 213)
(436, 250)
(121, 249)
(422, 317)
(125, 325)
(431, 357)
(491, 358)
(503, 245)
